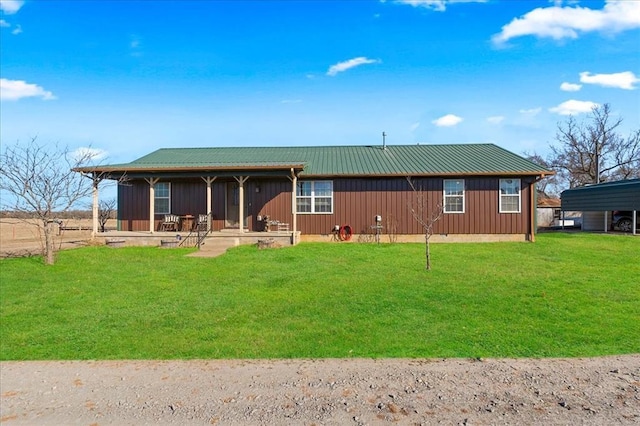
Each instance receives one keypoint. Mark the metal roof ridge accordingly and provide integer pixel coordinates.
(419, 144)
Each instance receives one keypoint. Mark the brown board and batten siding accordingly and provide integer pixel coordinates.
(356, 202)
(187, 197)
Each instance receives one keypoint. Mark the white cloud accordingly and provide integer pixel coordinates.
(17, 30)
(496, 119)
(448, 120)
(414, 127)
(570, 87)
(12, 90)
(10, 6)
(4, 24)
(567, 22)
(531, 112)
(620, 80)
(437, 5)
(351, 63)
(572, 107)
(88, 153)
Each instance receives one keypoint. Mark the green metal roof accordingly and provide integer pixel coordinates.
(617, 195)
(394, 160)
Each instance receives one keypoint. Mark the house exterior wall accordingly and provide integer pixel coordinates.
(355, 203)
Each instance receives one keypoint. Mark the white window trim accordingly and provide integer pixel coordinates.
(312, 197)
(519, 195)
(155, 202)
(445, 196)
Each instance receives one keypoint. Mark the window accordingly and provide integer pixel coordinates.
(509, 196)
(453, 195)
(314, 197)
(162, 198)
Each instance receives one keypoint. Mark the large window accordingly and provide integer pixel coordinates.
(162, 198)
(509, 195)
(314, 196)
(453, 195)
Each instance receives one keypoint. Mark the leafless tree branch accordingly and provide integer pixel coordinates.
(40, 182)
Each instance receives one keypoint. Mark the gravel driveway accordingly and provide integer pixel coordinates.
(594, 391)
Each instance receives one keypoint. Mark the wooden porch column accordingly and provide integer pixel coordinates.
(294, 205)
(241, 180)
(209, 180)
(152, 202)
(94, 207)
(532, 210)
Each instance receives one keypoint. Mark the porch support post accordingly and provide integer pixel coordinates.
(241, 180)
(152, 202)
(94, 207)
(533, 210)
(294, 205)
(209, 180)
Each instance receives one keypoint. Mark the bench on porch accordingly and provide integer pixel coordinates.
(279, 226)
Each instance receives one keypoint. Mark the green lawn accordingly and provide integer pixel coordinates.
(565, 295)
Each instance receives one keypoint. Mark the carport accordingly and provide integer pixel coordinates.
(604, 197)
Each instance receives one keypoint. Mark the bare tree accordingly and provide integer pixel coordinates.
(426, 218)
(593, 151)
(40, 183)
(106, 208)
(548, 185)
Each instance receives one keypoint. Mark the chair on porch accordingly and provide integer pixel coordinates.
(171, 222)
(203, 222)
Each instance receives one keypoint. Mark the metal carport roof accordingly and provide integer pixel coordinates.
(608, 196)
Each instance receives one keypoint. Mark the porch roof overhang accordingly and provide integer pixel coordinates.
(118, 172)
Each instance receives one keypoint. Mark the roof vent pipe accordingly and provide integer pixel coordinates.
(384, 141)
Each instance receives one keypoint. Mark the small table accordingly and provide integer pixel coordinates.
(186, 222)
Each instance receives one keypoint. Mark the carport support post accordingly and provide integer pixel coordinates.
(606, 222)
(635, 221)
(152, 202)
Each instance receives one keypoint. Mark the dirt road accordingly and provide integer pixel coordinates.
(594, 391)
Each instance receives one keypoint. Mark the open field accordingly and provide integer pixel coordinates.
(21, 237)
(566, 295)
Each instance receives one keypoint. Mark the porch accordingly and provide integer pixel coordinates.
(212, 242)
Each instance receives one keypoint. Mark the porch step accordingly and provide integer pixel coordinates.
(215, 246)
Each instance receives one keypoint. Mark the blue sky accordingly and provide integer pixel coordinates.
(128, 77)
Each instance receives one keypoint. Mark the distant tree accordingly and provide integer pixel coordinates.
(41, 184)
(549, 185)
(106, 208)
(594, 151)
(426, 217)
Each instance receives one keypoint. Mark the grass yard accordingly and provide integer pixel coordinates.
(566, 295)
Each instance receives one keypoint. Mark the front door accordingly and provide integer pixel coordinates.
(231, 214)
(232, 202)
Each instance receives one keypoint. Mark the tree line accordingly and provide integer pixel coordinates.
(590, 152)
